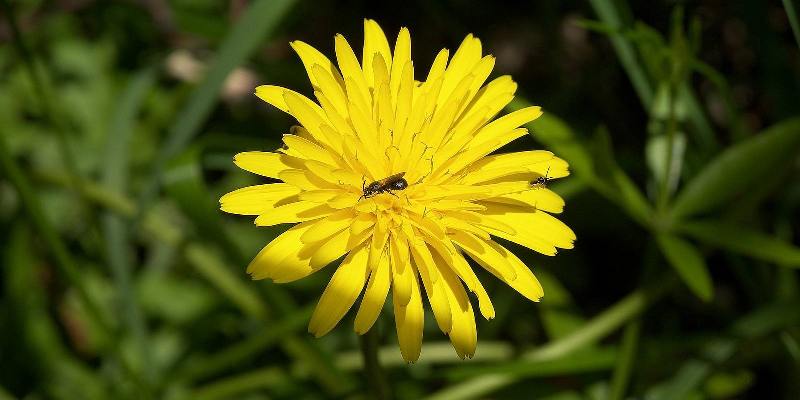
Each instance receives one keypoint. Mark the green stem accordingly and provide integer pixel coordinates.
(376, 379)
(624, 367)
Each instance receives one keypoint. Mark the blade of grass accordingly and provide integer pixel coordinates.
(435, 353)
(235, 386)
(588, 360)
(115, 177)
(256, 23)
(595, 329)
(611, 15)
(791, 13)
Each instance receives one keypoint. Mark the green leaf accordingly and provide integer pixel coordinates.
(687, 261)
(744, 241)
(738, 168)
(256, 23)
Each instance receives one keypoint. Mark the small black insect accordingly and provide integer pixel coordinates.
(541, 182)
(385, 185)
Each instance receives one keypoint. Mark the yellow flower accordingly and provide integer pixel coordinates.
(446, 198)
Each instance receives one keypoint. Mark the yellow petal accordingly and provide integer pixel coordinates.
(351, 70)
(540, 198)
(374, 297)
(312, 118)
(404, 276)
(329, 225)
(255, 200)
(409, 321)
(466, 56)
(297, 211)
(374, 43)
(507, 123)
(480, 251)
(311, 57)
(263, 163)
(401, 56)
(331, 88)
(341, 292)
(535, 230)
(327, 251)
(524, 281)
(435, 290)
(463, 334)
(309, 150)
(272, 260)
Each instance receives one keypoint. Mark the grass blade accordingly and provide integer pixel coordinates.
(115, 176)
(258, 21)
(609, 12)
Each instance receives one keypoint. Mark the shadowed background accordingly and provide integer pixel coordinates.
(121, 279)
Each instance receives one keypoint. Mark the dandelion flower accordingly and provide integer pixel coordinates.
(448, 196)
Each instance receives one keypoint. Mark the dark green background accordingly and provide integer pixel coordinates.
(121, 279)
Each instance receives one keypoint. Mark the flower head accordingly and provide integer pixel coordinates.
(398, 177)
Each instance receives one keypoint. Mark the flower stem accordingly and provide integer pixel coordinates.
(376, 379)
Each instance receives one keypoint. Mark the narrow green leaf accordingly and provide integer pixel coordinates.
(115, 176)
(236, 386)
(791, 13)
(742, 240)
(589, 360)
(689, 264)
(256, 23)
(738, 168)
(610, 12)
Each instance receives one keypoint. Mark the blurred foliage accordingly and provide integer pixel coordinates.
(120, 279)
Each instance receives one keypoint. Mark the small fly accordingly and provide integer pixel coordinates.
(385, 185)
(541, 182)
